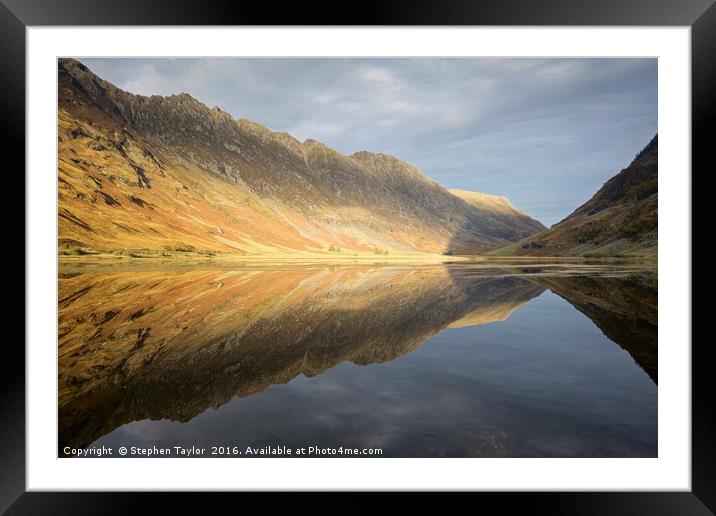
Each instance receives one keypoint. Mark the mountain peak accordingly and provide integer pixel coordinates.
(497, 202)
(152, 164)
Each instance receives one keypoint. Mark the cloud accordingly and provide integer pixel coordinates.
(377, 76)
(544, 132)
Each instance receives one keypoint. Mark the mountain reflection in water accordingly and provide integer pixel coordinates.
(270, 356)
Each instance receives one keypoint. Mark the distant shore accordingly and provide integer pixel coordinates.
(143, 255)
(158, 257)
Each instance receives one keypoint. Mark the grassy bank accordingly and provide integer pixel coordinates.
(83, 258)
(84, 255)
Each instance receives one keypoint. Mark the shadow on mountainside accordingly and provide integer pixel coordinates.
(471, 240)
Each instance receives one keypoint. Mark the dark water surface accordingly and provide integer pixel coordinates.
(427, 361)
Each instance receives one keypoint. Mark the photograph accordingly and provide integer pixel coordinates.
(357, 257)
(436, 248)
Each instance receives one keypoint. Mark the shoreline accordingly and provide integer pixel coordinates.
(92, 259)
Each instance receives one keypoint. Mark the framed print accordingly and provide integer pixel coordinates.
(440, 249)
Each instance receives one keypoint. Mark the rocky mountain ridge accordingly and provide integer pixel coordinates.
(170, 173)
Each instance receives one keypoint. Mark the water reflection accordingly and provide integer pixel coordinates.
(623, 307)
(137, 346)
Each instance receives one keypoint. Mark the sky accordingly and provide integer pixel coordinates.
(546, 133)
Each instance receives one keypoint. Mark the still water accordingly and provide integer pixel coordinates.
(548, 360)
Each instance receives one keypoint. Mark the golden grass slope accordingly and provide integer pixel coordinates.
(105, 203)
(170, 175)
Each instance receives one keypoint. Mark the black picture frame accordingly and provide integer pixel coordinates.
(17, 15)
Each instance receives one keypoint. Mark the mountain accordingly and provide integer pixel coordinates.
(620, 219)
(170, 343)
(169, 174)
(500, 212)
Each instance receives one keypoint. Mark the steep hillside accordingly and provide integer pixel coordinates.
(170, 174)
(620, 219)
(500, 211)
